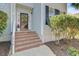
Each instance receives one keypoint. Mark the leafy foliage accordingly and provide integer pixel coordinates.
(3, 21)
(64, 24)
(73, 51)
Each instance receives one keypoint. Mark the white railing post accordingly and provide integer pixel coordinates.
(13, 26)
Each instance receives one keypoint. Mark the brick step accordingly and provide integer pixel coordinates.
(25, 47)
(24, 34)
(18, 33)
(24, 31)
(28, 37)
(27, 42)
(18, 36)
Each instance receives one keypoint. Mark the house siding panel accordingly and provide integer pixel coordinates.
(36, 18)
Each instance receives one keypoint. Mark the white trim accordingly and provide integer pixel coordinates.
(42, 18)
(29, 21)
(42, 21)
(29, 15)
(13, 18)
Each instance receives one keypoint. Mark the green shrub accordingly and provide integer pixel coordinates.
(3, 21)
(64, 23)
(73, 52)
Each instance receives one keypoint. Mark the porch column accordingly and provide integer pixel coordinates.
(13, 26)
(38, 21)
(42, 21)
(36, 16)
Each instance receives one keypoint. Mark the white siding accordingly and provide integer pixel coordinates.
(36, 18)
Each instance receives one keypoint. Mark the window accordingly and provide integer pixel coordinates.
(47, 14)
(50, 12)
(57, 12)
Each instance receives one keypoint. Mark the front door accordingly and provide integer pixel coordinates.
(23, 21)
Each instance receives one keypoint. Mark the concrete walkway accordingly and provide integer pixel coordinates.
(43, 50)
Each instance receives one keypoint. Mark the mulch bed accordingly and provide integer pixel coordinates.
(4, 48)
(61, 48)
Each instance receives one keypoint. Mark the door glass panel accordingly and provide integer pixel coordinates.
(23, 21)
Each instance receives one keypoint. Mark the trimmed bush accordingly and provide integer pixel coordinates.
(3, 21)
(64, 23)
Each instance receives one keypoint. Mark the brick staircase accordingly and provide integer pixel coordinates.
(26, 40)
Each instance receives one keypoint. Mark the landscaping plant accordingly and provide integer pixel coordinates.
(3, 21)
(73, 51)
(64, 24)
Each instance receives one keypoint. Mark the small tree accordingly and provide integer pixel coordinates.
(64, 25)
(3, 21)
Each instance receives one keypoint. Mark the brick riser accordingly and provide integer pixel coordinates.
(27, 47)
(26, 40)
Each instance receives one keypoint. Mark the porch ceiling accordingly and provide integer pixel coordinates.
(27, 4)
(29, 9)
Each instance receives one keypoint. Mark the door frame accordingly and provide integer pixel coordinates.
(18, 18)
(27, 19)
